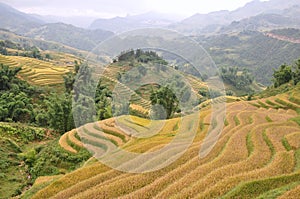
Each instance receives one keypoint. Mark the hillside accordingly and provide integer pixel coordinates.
(263, 136)
(41, 44)
(253, 50)
(210, 111)
(288, 18)
(32, 27)
(146, 20)
(17, 21)
(212, 22)
(69, 35)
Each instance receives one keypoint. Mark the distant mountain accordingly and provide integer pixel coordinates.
(34, 27)
(17, 21)
(42, 44)
(290, 18)
(211, 22)
(121, 24)
(258, 52)
(69, 35)
(78, 21)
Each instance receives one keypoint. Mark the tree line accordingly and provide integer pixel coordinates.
(21, 102)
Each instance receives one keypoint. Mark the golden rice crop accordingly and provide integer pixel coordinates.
(294, 139)
(252, 150)
(228, 168)
(292, 194)
(282, 163)
(43, 179)
(71, 179)
(231, 153)
(63, 142)
(251, 162)
(139, 109)
(73, 139)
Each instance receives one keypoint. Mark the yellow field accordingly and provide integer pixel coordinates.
(38, 72)
(256, 155)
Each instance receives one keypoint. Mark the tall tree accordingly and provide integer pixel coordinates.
(164, 97)
(59, 112)
(283, 75)
(7, 76)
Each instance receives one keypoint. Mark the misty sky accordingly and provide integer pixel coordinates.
(112, 8)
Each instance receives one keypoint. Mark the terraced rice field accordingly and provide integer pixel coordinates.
(35, 71)
(256, 156)
(137, 103)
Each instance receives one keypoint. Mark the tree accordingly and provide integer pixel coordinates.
(59, 112)
(83, 96)
(69, 80)
(283, 75)
(296, 74)
(103, 102)
(7, 76)
(239, 79)
(15, 107)
(166, 99)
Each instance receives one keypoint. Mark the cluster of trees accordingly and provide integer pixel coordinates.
(20, 102)
(141, 56)
(15, 97)
(26, 51)
(165, 103)
(239, 79)
(86, 94)
(287, 73)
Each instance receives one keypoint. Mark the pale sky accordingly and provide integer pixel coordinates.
(112, 8)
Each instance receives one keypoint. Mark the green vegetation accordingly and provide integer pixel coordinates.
(25, 50)
(167, 99)
(249, 159)
(239, 79)
(286, 74)
(14, 140)
(252, 50)
(141, 56)
(51, 159)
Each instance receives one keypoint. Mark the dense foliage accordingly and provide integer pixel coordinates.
(252, 50)
(239, 79)
(16, 97)
(141, 56)
(165, 103)
(25, 50)
(13, 140)
(287, 73)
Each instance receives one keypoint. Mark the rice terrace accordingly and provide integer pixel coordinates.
(110, 100)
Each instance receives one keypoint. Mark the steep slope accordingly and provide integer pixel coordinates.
(258, 152)
(253, 50)
(17, 21)
(69, 35)
(212, 22)
(288, 18)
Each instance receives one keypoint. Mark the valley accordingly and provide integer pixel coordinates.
(206, 106)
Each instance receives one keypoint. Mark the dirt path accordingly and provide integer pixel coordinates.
(283, 38)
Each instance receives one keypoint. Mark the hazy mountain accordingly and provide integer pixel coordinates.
(70, 35)
(42, 44)
(120, 24)
(34, 27)
(17, 21)
(288, 18)
(199, 23)
(79, 21)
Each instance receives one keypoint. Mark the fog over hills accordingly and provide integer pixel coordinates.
(198, 23)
